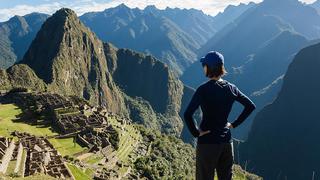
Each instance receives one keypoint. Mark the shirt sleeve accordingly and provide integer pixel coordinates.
(249, 107)
(188, 115)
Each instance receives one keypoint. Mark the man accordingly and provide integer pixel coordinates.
(215, 97)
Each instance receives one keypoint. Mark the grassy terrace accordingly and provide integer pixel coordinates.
(78, 173)
(128, 139)
(9, 119)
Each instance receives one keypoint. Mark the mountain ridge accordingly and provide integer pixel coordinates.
(285, 125)
(16, 35)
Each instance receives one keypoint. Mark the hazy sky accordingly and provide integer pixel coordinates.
(8, 8)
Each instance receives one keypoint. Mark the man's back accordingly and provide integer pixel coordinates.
(216, 99)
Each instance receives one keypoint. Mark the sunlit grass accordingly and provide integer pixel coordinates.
(9, 114)
(78, 173)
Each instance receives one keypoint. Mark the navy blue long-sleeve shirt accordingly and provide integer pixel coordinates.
(216, 99)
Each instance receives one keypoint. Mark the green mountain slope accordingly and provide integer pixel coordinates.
(70, 59)
(285, 130)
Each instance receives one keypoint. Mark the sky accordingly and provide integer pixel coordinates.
(9, 8)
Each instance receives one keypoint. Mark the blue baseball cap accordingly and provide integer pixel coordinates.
(213, 58)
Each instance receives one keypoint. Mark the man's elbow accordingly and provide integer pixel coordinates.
(252, 107)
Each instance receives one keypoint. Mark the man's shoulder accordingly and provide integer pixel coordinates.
(226, 83)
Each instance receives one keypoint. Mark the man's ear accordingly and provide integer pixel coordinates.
(205, 70)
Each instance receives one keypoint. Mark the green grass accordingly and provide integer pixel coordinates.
(127, 140)
(78, 173)
(89, 172)
(93, 159)
(9, 114)
(240, 174)
(36, 177)
(24, 154)
(66, 146)
(11, 167)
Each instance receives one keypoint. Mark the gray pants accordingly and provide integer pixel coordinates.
(211, 157)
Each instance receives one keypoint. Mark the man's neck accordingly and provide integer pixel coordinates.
(215, 78)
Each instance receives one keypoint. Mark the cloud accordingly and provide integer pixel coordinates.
(21, 10)
(211, 7)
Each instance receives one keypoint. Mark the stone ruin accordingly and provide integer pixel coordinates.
(52, 101)
(105, 174)
(70, 123)
(96, 139)
(4, 144)
(88, 125)
(42, 157)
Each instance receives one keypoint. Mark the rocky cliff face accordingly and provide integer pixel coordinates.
(20, 75)
(282, 143)
(143, 76)
(70, 59)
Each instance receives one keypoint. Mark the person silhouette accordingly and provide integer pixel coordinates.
(214, 149)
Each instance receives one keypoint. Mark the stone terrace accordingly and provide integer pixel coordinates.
(42, 157)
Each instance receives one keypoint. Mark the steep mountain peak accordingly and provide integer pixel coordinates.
(122, 7)
(70, 59)
(53, 33)
(16, 18)
(18, 25)
(63, 15)
(151, 7)
(65, 12)
(18, 21)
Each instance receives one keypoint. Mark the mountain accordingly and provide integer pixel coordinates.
(261, 77)
(152, 88)
(255, 27)
(230, 41)
(258, 47)
(21, 75)
(195, 23)
(316, 5)
(16, 35)
(152, 32)
(173, 41)
(70, 59)
(230, 14)
(309, 28)
(275, 55)
(285, 132)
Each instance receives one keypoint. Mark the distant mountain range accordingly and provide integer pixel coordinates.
(258, 47)
(161, 31)
(171, 35)
(130, 60)
(316, 5)
(16, 35)
(282, 142)
(230, 14)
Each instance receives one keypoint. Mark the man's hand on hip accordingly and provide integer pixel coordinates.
(202, 133)
(229, 125)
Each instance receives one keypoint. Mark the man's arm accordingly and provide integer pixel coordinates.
(249, 107)
(188, 114)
